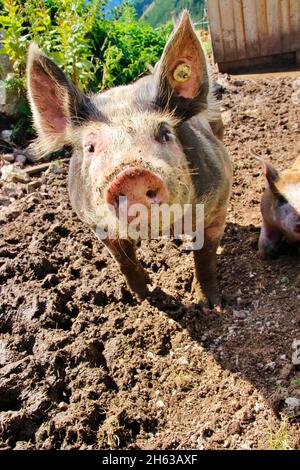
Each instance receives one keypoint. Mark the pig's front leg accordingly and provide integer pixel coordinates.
(136, 277)
(270, 240)
(205, 280)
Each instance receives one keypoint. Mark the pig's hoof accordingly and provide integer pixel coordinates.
(207, 303)
(208, 307)
(269, 254)
(268, 251)
(139, 285)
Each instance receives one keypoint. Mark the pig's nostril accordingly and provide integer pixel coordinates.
(297, 228)
(151, 194)
(117, 199)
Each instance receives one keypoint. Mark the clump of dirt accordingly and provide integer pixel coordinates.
(85, 366)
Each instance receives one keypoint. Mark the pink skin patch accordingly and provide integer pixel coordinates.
(139, 186)
(95, 142)
(50, 106)
(288, 218)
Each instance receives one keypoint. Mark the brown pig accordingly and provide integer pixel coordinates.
(151, 142)
(280, 207)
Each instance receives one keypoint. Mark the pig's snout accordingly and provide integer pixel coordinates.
(139, 186)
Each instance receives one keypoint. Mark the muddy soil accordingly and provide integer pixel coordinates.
(85, 366)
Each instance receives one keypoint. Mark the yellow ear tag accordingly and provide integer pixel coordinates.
(182, 73)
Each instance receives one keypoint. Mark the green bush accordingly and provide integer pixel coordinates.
(59, 27)
(130, 46)
(93, 51)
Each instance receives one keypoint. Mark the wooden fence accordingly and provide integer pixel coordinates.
(246, 32)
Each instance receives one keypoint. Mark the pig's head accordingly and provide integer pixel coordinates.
(281, 201)
(125, 140)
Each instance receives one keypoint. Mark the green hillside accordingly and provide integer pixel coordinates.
(160, 11)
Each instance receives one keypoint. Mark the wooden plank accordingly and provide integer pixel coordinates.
(251, 29)
(34, 170)
(295, 24)
(262, 26)
(215, 26)
(228, 30)
(239, 29)
(273, 14)
(285, 25)
(270, 63)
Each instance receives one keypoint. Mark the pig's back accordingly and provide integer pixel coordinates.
(210, 161)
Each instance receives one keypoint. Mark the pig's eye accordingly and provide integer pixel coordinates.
(89, 148)
(164, 135)
(281, 201)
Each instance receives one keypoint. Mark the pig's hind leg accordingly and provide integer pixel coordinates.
(123, 251)
(270, 241)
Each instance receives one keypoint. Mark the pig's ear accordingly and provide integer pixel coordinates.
(271, 173)
(272, 176)
(55, 102)
(181, 73)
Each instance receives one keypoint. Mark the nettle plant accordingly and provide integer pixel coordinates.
(59, 27)
(130, 47)
(94, 52)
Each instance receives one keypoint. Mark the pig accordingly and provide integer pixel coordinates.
(155, 141)
(280, 208)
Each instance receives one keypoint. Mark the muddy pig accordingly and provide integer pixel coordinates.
(280, 207)
(150, 142)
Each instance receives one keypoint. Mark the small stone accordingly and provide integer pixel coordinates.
(8, 157)
(200, 443)
(62, 406)
(3, 352)
(252, 113)
(296, 352)
(246, 446)
(12, 174)
(239, 314)
(6, 134)
(238, 82)
(33, 185)
(23, 445)
(258, 407)
(292, 402)
(271, 366)
(21, 158)
(160, 404)
(296, 84)
(56, 169)
(5, 201)
(227, 117)
(286, 371)
(183, 361)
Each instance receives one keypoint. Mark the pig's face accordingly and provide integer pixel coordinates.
(287, 209)
(125, 140)
(283, 210)
(134, 155)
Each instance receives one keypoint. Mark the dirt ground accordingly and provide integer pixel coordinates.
(84, 366)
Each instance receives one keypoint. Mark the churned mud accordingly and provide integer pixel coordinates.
(84, 366)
